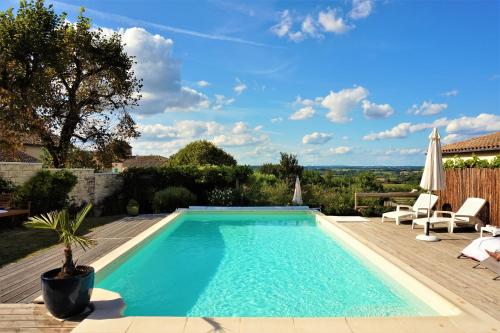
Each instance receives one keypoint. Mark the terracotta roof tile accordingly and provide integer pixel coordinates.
(489, 142)
(17, 156)
(144, 161)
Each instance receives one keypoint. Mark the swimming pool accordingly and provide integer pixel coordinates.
(254, 264)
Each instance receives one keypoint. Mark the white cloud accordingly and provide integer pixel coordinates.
(283, 27)
(330, 21)
(221, 101)
(276, 120)
(342, 102)
(316, 138)
(241, 135)
(451, 138)
(450, 93)
(306, 101)
(482, 123)
(308, 26)
(340, 150)
(203, 83)
(161, 73)
(237, 134)
(303, 113)
(406, 151)
(181, 129)
(361, 9)
(240, 127)
(239, 87)
(374, 111)
(402, 130)
(427, 108)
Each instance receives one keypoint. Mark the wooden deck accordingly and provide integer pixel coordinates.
(32, 318)
(20, 281)
(438, 260)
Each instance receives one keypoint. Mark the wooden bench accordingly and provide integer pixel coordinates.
(359, 195)
(6, 200)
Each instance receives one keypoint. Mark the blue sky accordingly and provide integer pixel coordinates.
(336, 82)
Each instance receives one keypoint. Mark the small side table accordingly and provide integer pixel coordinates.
(491, 229)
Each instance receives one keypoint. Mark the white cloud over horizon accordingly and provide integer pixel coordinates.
(427, 108)
(480, 124)
(341, 103)
(376, 111)
(303, 113)
(316, 138)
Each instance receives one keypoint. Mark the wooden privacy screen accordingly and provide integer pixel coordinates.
(475, 182)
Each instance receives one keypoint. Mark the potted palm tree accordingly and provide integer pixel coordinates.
(66, 290)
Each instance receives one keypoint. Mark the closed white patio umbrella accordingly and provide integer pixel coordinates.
(432, 178)
(297, 193)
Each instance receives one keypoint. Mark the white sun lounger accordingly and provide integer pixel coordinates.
(477, 250)
(465, 215)
(419, 208)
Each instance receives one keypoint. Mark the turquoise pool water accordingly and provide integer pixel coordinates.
(262, 264)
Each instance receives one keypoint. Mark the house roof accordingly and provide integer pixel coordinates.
(144, 161)
(31, 139)
(16, 156)
(484, 143)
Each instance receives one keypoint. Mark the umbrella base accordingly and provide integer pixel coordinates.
(425, 238)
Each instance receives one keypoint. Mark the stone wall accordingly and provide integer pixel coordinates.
(18, 172)
(91, 187)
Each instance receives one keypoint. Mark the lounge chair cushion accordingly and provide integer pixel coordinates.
(477, 248)
(399, 213)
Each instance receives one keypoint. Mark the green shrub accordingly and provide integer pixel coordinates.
(6, 186)
(221, 197)
(171, 198)
(47, 191)
(142, 183)
(375, 210)
(473, 162)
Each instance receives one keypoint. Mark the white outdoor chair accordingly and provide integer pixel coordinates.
(405, 212)
(466, 215)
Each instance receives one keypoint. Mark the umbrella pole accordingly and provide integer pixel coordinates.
(428, 223)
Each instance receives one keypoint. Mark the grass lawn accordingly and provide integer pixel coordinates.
(19, 242)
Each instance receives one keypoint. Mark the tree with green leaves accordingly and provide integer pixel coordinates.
(65, 82)
(201, 153)
(289, 167)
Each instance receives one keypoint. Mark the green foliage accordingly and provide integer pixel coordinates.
(47, 191)
(473, 162)
(289, 167)
(171, 198)
(142, 183)
(66, 228)
(270, 169)
(65, 82)
(221, 197)
(375, 210)
(201, 153)
(312, 177)
(6, 186)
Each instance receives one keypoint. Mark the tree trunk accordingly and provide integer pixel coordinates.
(68, 266)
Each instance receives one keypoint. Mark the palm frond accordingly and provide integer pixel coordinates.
(80, 217)
(44, 221)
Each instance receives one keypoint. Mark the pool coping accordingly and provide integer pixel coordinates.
(106, 319)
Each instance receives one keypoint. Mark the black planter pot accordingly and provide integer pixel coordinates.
(67, 297)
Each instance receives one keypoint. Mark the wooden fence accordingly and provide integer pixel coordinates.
(475, 182)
